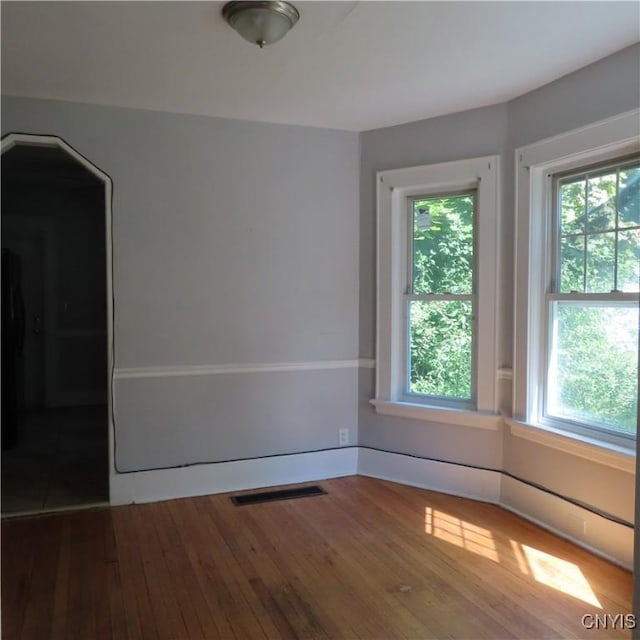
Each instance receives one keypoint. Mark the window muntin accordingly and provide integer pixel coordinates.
(592, 301)
(598, 218)
(439, 303)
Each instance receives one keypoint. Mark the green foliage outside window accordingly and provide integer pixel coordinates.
(597, 366)
(441, 329)
(594, 359)
(441, 348)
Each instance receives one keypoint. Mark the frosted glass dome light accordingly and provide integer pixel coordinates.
(261, 22)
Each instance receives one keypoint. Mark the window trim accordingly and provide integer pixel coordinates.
(620, 458)
(603, 141)
(393, 188)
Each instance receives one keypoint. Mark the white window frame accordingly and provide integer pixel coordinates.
(394, 187)
(535, 166)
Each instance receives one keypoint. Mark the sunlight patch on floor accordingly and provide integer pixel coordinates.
(551, 571)
(460, 533)
(559, 574)
(520, 559)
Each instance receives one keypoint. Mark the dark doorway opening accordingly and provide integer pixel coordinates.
(54, 332)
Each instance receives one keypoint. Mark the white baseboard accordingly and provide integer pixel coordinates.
(457, 480)
(595, 533)
(196, 480)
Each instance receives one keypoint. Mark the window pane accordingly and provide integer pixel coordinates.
(593, 371)
(440, 348)
(629, 260)
(601, 202)
(629, 198)
(572, 264)
(443, 245)
(572, 199)
(601, 263)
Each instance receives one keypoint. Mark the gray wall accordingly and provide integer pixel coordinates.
(601, 90)
(453, 137)
(606, 88)
(234, 243)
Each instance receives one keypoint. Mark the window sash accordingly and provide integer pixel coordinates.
(577, 175)
(585, 298)
(445, 401)
(409, 288)
(410, 296)
(614, 299)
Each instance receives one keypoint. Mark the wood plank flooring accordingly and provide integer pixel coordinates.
(369, 560)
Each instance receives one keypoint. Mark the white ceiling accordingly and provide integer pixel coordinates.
(345, 65)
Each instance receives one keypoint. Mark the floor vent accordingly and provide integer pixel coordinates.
(272, 496)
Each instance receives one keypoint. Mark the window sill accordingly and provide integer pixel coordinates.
(490, 421)
(611, 455)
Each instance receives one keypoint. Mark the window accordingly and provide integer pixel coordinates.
(440, 297)
(592, 306)
(436, 312)
(577, 284)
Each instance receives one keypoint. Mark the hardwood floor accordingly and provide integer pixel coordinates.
(371, 560)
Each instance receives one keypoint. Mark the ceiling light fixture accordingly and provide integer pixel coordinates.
(261, 22)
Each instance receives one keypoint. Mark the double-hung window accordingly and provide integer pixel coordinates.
(436, 299)
(577, 284)
(592, 303)
(440, 298)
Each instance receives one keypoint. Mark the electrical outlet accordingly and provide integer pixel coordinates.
(343, 437)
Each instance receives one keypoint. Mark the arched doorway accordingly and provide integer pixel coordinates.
(57, 327)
